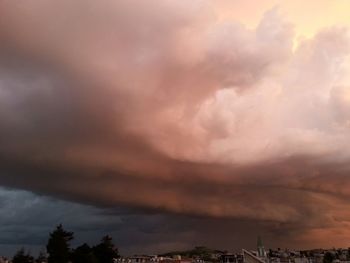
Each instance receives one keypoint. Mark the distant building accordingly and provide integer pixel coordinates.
(261, 249)
(231, 258)
(249, 257)
(139, 259)
(301, 260)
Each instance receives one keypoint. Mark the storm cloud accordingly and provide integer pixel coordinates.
(166, 107)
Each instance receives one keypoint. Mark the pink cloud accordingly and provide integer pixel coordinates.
(163, 106)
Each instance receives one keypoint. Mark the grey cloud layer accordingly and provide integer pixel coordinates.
(27, 220)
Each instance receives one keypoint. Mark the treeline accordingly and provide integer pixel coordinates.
(200, 252)
(59, 251)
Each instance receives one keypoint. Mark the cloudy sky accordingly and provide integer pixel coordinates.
(173, 123)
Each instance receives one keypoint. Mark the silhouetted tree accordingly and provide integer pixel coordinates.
(201, 252)
(106, 250)
(58, 245)
(328, 257)
(41, 258)
(84, 254)
(22, 257)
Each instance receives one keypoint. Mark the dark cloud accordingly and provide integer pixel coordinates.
(28, 218)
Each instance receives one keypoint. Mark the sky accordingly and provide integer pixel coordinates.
(170, 124)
